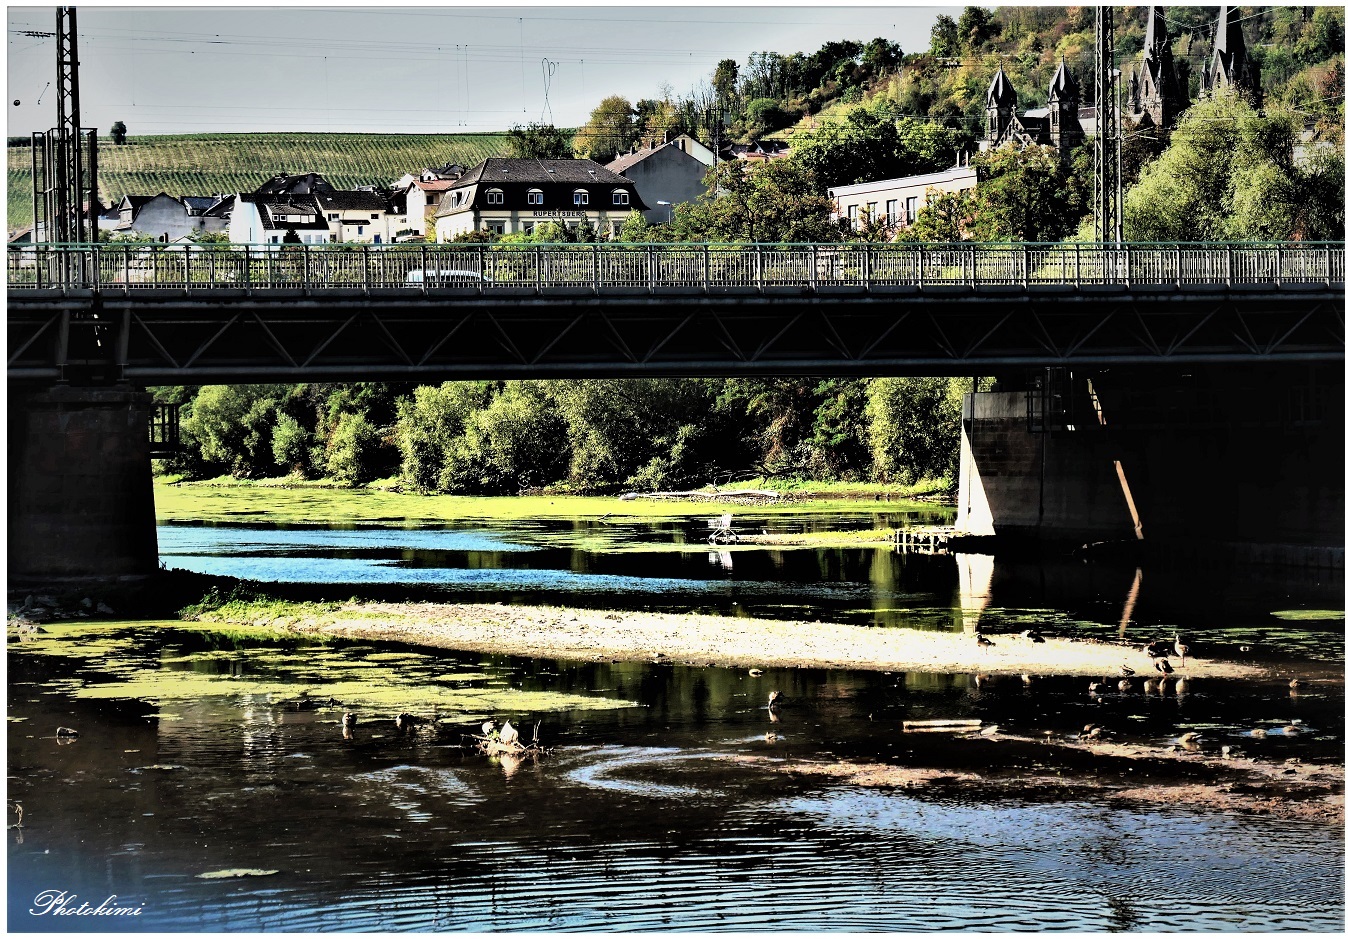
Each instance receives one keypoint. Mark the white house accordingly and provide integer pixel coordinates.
(896, 202)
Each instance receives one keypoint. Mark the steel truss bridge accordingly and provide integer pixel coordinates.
(192, 314)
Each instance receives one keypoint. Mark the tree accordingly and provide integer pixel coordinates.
(429, 423)
(880, 55)
(945, 37)
(1229, 175)
(725, 81)
(867, 144)
(914, 427)
(775, 201)
(290, 444)
(349, 450)
(976, 27)
(118, 131)
(232, 425)
(611, 129)
(539, 141)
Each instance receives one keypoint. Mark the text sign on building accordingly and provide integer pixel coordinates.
(557, 213)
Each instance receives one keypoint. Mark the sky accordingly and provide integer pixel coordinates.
(406, 69)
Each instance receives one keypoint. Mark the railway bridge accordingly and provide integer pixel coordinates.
(1141, 355)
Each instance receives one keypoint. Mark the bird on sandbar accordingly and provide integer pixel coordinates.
(983, 641)
(1159, 649)
(1095, 687)
(1182, 649)
(775, 699)
(1125, 686)
(348, 720)
(987, 731)
(1164, 667)
(488, 727)
(755, 672)
(1033, 635)
(1126, 672)
(509, 735)
(1296, 683)
(1192, 737)
(1027, 679)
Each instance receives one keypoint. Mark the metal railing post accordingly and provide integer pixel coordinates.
(1077, 245)
(921, 265)
(305, 254)
(365, 266)
(247, 266)
(758, 267)
(1328, 280)
(973, 266)
(1277, 266)
(594, 266)
(481, 268)
(1025, 268)
(1228, 266)
(866, 267)
(538, 270)
(426, 269)
(814, 267)
(706, 268)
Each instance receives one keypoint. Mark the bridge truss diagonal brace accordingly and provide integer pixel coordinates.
(37, 333)
(201, 349)
(156, 344)
(274, 342)
(438, 344)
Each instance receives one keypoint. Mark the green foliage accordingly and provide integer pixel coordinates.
(868, 144)
(635, 229)
(945, 37)
(539, 141)
(349, 449)
(429, 423)
(914, 427)
(611, 129)
(290, 444)
(231, 425)
(1229, 174)
(776, 201)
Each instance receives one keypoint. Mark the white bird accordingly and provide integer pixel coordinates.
(488, 727)
(509, 735)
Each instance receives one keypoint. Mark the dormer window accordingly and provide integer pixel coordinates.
(620, 197)
(535, 197)
(580, 197)
(495, 197)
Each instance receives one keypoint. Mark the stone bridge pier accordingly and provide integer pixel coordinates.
(1248, 459)
(81, 497)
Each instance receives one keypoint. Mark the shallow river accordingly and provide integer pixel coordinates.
(663, 805)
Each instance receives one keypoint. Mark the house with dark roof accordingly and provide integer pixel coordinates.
(665, 173)
(511, 195)
(316, 212)
(757, 151)
(164, 217)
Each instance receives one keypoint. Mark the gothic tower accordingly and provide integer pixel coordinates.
(1159, 94)
(1231, 66)
(1064, 99)
(1001, 110)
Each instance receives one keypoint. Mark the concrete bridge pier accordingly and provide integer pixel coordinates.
(1249, 462)
(81, 498)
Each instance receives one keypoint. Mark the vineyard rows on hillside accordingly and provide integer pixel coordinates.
(209, 164)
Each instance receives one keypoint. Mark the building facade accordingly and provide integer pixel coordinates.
(1058, 124)
(506, 196)
(1231, 67)
(666, 173)
(897, 202)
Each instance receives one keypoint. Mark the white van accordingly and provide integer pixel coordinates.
(443, 278)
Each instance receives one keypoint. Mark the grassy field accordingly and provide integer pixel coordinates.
(208, 164)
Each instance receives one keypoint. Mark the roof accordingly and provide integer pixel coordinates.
(298, 184)
(1064, 85)
(439, 185)
(957, 172)
(353, 199)
(221, 207)
(267, 210)
(629, 160)
(499, 170)
(199, 204)
(1000, 91)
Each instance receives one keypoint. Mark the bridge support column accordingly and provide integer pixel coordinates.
(81, 498)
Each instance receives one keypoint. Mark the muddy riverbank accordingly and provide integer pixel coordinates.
(702, 639)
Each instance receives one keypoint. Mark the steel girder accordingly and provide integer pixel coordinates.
(166, 337)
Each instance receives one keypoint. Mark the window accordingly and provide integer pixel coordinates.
(580, 197)
(529, 226)
(852, 214)
(360, 229)
(332, 216)
(495, 197)
(891, 211)
(535, 197)
(620, 197)
(273, 239)
(912, 209)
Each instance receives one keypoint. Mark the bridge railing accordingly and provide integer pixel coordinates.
(600, 267)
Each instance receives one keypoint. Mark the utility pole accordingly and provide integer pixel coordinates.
(65, 158)
(1108, 135)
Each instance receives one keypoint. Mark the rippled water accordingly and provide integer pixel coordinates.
(663, 805)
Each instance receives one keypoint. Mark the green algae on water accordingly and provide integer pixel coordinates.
(1308, 615)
